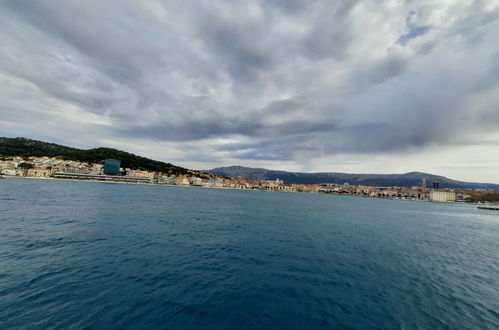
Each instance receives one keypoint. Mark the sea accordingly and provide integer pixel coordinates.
(88, 255)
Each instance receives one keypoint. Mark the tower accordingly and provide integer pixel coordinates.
(112, 167)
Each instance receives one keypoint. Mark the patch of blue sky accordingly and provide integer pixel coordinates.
(413, 33)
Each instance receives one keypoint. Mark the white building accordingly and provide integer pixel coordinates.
(70, 170)
(165, 179)
(275, 182)
(215, 182)
(39, 172)
(442, 196)
(195, 181)
(11, 172)
(287, 188)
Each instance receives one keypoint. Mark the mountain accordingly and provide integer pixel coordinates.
(27, 147)
(379, 180)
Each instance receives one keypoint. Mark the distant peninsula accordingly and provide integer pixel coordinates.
(26, 147)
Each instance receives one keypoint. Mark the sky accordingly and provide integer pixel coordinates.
(375, 86)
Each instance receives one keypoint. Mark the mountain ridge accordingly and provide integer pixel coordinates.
(409, 179)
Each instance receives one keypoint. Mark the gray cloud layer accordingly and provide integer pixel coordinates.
(267, 80)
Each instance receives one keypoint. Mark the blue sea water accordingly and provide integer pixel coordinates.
(104, 256)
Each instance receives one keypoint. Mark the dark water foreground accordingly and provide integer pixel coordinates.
(97, 255)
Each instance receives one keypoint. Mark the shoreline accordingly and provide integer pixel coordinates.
(130, 183)
(232, 188)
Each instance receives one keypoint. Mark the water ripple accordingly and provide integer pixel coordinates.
(92, 255)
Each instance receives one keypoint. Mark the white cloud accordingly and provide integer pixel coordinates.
(318, 85)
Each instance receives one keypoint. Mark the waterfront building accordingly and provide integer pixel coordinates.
(39, 172)
(442, 196)
(287, 188)
(274, 182)
(388, 193)
(215, 182)
(108, 178)
(72, 170)
(182, 180)
(195, 181)
(462, 197)
(142, 174)
(96, 169)
(14, 172)
(165, 179)
(112, 167)
(413, 193)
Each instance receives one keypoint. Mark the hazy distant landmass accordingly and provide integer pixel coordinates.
(27, 147)
(380, 180)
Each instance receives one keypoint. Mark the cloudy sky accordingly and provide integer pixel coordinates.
(355, 86)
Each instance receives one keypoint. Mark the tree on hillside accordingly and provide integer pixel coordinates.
(25, 165)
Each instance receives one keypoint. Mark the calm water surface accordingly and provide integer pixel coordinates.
(97, 255)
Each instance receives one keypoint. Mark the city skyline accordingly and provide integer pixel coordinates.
(356, 87)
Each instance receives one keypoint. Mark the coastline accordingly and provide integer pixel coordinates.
(129, 183)
(234, 188)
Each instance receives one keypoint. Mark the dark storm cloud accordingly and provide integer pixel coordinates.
(333, 36)
(389, 67)
(94, 100)
(236, 46)
(83, 30)
(330, 139)
(291, 7)
(191, 129)
(259, 80)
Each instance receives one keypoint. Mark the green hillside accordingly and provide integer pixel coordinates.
(27, 147)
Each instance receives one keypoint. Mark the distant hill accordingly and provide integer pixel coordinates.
(27, 147)
(379, 180)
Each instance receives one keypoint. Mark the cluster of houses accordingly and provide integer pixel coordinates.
(45, 167)
(40, 167)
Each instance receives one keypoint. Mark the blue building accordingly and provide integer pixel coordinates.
(112, 167)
